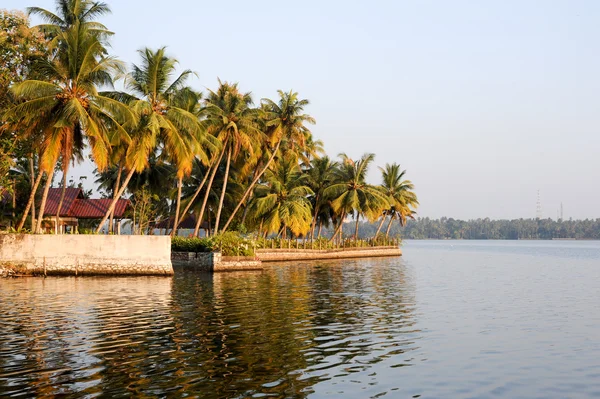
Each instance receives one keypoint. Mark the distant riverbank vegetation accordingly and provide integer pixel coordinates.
(486, 229)
(219, 158)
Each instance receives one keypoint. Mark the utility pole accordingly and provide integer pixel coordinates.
(561, 212)
(538, 212)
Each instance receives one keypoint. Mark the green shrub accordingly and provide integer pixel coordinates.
(232, 244)
(193, 244)
(228, 243)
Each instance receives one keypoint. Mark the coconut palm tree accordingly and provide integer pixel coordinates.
(321, 174)
(285, 122)
(231, 119)
(351, 194)
(152, 88)
(69, 12)
(281, 202)
(66, 106)
(400, 194)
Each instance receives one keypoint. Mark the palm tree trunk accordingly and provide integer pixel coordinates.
(62, 196)
(246, 209)
(251, 186)
(31, 203)
(320, 228)
(220, 208)
(207, 194)
(337, 229)
(379, 228)
(356, 229)
(387, 232)
(176, 221)
(191, 201)
(32, 177)
(38, 226)
(314, 221)
(111, 208)
(115, 191)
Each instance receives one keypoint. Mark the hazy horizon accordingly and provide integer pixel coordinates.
(482, 104)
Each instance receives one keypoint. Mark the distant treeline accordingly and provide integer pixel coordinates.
(486, 229)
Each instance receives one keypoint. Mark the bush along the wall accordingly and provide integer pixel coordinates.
(229, 244)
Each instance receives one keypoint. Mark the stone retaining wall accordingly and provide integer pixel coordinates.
(282, 254)
(85, 255)
(213, 262)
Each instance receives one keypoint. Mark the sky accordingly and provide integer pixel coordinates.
(482, 102)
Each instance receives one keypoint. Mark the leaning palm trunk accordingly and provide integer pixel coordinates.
(62, 197)
(207, 194)
(380, 225)
(220, 209)
(356, 229)
(338, 229)
(32, 177)
(176, 221)
(31, 204)
(115, 191)
(111, 208)
(251, 186)
(38, 226)
(313, 224)
(189, 205)
(387, 232)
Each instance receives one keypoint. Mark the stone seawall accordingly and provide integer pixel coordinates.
(213, 262)
(280, 255)
(85, 255)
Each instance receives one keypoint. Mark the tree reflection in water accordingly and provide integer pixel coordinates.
(280, 332)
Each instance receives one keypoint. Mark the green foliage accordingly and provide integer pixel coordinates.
(228, 243)
(323, 243)
(191, 244)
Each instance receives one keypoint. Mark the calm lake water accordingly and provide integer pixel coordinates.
(448, 320)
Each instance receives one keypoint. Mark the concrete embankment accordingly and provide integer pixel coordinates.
(283, 254)
(87, 255)
(213, 262)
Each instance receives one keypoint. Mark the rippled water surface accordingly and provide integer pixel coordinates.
(448, 320)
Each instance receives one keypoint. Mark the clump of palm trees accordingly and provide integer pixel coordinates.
(213, 157)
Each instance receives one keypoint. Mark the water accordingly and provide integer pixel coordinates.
(448, 320)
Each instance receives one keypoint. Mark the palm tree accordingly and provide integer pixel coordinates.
(285, 123)
(321, 174)
(70, 12)
(66, 106)
(189, 100)
(400, 196)
(231, 120)
(161, 122)
(281, 202)
(352, 194)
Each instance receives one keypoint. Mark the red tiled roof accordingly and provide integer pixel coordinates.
(96, 208)
(74, 205)
(71, 194)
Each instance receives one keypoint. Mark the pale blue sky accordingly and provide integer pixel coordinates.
(483, 102)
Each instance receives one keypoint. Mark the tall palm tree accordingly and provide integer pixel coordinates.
(321, 174)
(351, 194)
(66, 105)
(189, 100)
(281, 202)
(400, 194)
(285, 122)
(69, 12)
(231, 119)
(152, 88)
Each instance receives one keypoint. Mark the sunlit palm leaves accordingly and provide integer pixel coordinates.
(282, 201)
